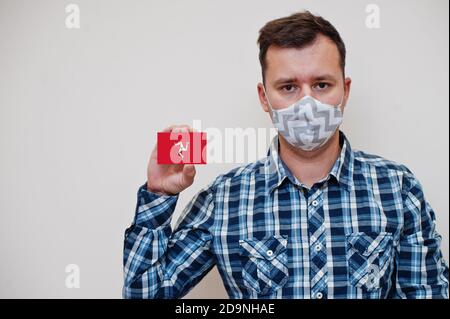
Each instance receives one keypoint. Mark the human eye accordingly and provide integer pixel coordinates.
(321, 86)
(288, 88)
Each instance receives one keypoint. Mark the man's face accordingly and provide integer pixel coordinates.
(314, 70)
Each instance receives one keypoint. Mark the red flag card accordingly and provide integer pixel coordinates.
(181, 148)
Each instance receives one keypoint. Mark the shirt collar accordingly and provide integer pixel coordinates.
(277, 171)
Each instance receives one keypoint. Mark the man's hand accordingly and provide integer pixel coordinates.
(169, 179)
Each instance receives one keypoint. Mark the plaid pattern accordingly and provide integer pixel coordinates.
(264, 266)
(364, 231)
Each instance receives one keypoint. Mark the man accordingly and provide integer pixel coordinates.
(314, 219)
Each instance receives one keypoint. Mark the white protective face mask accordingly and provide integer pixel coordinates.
(308, 123)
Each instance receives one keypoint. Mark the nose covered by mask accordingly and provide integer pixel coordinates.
(308, 123)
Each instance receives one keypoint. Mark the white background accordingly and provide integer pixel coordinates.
(80, 108)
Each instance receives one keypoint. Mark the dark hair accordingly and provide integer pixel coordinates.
(297, 31)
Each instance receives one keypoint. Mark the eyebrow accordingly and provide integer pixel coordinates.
(284, 81)
(321, 77)
(324, 77)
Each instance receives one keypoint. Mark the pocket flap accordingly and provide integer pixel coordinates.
(367, 243)
(267, 247)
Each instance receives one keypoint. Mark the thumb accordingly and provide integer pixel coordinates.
(188, 173)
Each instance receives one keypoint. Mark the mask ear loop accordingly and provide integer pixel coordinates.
(277, 148)
(342, 100)
(267, 98)
(340, 104)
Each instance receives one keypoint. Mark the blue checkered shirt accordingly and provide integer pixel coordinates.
(364, 231)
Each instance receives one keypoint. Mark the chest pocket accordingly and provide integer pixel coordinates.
(369, 257)
(264, 263)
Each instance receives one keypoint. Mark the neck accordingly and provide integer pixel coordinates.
(310, 167)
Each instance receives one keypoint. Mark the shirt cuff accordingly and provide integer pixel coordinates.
(154, 210)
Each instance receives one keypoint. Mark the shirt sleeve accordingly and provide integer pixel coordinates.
(421, 271)
(159, 263)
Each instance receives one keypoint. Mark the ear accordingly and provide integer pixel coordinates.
(262, 98)
(347, 86)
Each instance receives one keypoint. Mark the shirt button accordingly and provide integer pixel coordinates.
(269, 253)
(319, 295)
(318, 247)
(315, 203)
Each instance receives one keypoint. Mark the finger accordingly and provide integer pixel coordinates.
(188, 174)
(185, 128)
(171, 127)
(178, 129)
(181, 129)
(177, 126)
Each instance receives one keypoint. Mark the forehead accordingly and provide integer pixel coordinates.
(321, 56)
